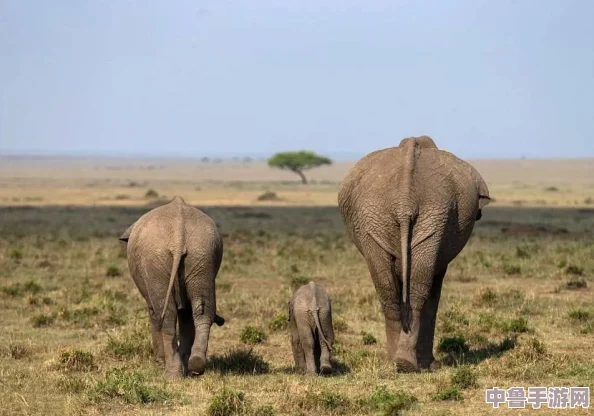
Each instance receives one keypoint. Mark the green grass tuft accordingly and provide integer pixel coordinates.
(76, 360)
(252, 335)
(368, 339)
(451, 393)
(130, 387)
(464, 377)
(279, 322)
(388, 402)
(228, 403)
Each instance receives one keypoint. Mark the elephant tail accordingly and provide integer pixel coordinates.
(316, 315)
(405, 253)
(177, 256)
(405, 238)
(315, 311)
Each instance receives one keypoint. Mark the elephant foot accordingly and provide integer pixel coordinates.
(325, 369)
(405, 366)
(196, 365)
(172, 373)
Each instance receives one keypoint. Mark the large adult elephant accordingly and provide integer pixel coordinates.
(174, 254)
(410, 210)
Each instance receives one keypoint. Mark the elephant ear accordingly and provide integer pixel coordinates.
(126, 236)
(482, 189)
(462, 167)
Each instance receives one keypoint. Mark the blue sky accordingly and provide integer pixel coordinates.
(484, 78)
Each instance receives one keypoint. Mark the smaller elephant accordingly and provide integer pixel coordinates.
(312, 334)
(174, 254)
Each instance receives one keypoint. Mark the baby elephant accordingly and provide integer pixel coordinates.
(312, 335)
(174, 255)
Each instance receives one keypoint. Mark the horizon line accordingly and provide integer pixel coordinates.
(246, 157)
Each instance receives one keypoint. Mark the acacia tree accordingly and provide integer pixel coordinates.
(298, 162)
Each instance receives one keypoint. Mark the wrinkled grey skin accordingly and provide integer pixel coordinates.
(174, 254)
(410, 210)
(312, 334)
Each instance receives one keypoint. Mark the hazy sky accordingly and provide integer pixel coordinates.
(484, 78)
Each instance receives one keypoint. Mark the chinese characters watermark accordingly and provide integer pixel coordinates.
(537, 397)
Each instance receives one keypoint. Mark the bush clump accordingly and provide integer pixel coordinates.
(369, 339)
(252, 335)
(76, 360)
(464, 377)
(131, 345)
(228, 403)
(453, 345)
(451, 393)
(113, 271)
(151, 194)
(279, 322)
(130, 387)
(387, 402)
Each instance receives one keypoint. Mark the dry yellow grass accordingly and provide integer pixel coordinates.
(535, 264)
(124, 182)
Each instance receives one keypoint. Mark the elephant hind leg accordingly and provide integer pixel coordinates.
(325, 366)
(307, 341)
(382, 271)
(425, 356)
(173, 365)
(421, 283)
(186, 336)
(298, 354)
(157, 341)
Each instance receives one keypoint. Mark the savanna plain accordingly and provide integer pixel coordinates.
(517, 306)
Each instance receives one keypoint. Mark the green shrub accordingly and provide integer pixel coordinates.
(451, 393)
(278, 322)
(113, 271)
(517, 325)
(576, 284)
(17, 289)
(266, 410)
(151, 194)
(252, 335)
(72, 383)
(15, 254)
(580, 315)
(76, 360)
(42, 320)
(488, 296)
(18, 351)
(575, 270)
(136, 344)
(325, 400)
(228, 403)
(453, 345)
(387, 402)
(464, 377)
(511, 269)
(522, 253)
(340, 325)
(297, 282)
(130, 387)
(368, 339)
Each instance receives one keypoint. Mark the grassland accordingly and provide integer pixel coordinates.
(517, 306)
